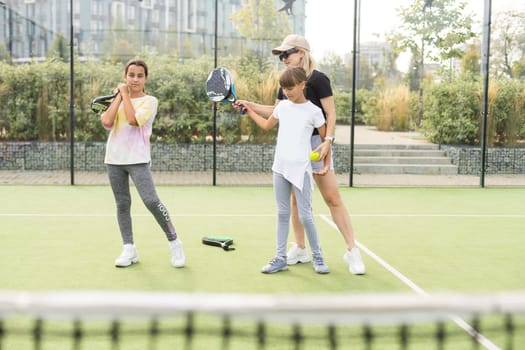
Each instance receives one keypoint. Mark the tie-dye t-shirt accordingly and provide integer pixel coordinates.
(128, 144)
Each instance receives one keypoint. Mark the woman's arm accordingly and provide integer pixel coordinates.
(327, 159)
(328, 104)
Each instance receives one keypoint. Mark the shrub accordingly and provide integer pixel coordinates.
(389, 111)
(452, 112)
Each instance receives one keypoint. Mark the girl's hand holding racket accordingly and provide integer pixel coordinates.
(101, 103)
(241, 106)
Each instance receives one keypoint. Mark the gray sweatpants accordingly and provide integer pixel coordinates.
(282, 189)
(141, 175)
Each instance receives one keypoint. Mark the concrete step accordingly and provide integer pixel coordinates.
(419, 159)
(402, 160)
(398, 153)
(422, 146)
(421, 169)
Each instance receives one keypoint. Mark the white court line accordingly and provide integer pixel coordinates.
(459, 321)
(482, 340)
(504, 216)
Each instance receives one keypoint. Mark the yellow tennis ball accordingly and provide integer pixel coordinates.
(315, 156)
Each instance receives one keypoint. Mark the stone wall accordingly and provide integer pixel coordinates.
(89, 156)
(510, 160)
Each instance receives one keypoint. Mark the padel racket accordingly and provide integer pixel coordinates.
(101, 104)
(219, 241)
(220, 86)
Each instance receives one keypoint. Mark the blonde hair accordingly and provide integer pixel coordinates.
(309, 63)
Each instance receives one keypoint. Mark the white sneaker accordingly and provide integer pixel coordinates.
(128, 256)
(178, 259)
(297, 255)
(354, 261)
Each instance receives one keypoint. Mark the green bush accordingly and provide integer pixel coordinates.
(452, 112)
(35, 102)
(506, 122)
(343, 106)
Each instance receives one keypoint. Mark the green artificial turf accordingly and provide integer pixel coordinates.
(442, 240)
(59, 237)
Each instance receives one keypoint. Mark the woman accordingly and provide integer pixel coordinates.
(294, 51)
(130, 118)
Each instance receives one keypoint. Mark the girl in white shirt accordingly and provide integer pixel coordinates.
(292, 171)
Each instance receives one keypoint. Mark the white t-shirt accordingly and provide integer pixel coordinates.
(292, 152)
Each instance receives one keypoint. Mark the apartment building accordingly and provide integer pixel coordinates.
(186, 28)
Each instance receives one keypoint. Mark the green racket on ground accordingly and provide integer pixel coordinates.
(219, 241)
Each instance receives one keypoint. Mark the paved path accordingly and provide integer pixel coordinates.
(368, 135)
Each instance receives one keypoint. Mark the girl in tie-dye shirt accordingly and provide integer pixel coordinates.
(130, 121)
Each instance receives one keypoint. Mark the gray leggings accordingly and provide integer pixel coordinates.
(282, 190)
(141, 176)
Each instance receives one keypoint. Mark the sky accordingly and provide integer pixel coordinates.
(329, 23)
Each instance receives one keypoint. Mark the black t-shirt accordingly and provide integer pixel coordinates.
(317, 87)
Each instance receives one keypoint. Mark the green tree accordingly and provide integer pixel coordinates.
(436, 30)
(59, 49)
(508, 42)
(471, 61)
(260, 22)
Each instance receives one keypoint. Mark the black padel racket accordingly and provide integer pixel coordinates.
(101, 104)
(219, 241)
(220, 86)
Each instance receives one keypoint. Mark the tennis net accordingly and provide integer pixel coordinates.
(159, 320)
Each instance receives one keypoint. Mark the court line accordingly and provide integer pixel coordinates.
(504, 216)
(481, 339)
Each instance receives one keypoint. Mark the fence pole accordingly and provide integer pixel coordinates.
(485, 68)
(71, 96)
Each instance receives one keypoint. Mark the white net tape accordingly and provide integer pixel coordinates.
(320, 309)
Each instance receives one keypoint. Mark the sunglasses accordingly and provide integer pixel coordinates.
(284, 55)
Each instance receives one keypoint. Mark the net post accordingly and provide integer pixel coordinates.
(368, 336)
(114, 332)
(261, 335)
(332, 336)
(2, 332)
(77, 334)
(189, 330)
(297, 336)
(153, 332)
(476, 326)
(403, 336)
(37, 333)
(226, 332)
(509, 330)
(440, 335)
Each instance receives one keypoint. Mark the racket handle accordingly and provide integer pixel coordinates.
(241, 109)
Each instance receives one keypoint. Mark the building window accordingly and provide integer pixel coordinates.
(117, 10)
(190, 15)
(147, 4)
